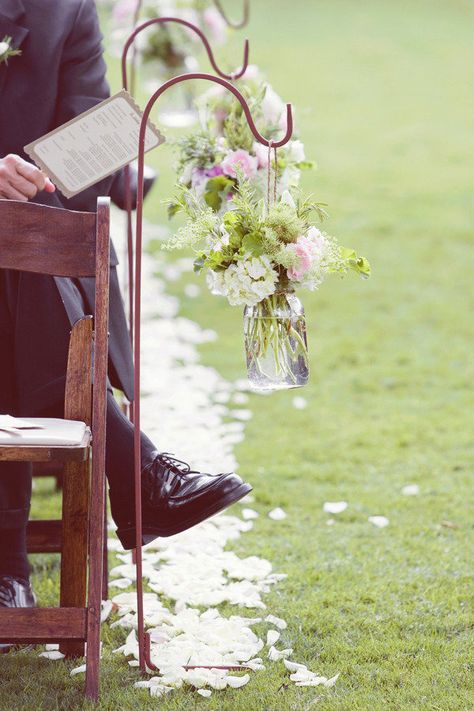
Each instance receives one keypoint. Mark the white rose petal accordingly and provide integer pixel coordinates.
(204, 692)
(315, 681)
(249, 514)
(54, 655)
(277, 621)
(294, 666)
(121, 583)
(272, 637)
(411, 490)
(235, 682)
(275, 654)
(379, 521)
(107, 606)
(335, 507)
(277, 514)
(78, 670)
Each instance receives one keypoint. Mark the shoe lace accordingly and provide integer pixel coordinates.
(176, 465)
(7, 592)
(173, 469)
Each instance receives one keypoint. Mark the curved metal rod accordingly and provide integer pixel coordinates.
(144, 655)
(231, 23)
(201, 35)
(125, 83)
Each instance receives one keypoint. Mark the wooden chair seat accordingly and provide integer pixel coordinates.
(54, 439)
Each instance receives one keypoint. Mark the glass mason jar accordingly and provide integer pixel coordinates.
(275, 342)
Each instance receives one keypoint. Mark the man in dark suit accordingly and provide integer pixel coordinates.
(59, 74)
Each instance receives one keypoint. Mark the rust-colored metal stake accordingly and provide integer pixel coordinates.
(143, 637)
(125, 84)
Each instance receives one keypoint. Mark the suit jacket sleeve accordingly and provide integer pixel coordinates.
(82, 85)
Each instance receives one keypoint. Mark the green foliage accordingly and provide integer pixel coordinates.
(198, 149)
(306, 206)
(236, 130)
(215, 191)
(284, 222)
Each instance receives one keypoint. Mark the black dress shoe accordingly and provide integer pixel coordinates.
(15, 593)
(174, 498)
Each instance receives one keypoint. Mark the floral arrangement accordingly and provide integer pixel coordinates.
(257, 255)
(252, 251)
(170, 44)
(7, 51)
(209, 159)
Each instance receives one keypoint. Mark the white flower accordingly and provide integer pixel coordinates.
(4, 47)
(273, 107)
(287, 199)
(249, 281)
(290, 178)
(295, 151)
(215, 282)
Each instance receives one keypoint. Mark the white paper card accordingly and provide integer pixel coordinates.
(93, 145)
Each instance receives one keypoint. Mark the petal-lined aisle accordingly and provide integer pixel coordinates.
(190, 410)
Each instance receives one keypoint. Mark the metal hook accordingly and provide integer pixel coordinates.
(201, 35)
(130, 41)
(143, 639)
(231, 23)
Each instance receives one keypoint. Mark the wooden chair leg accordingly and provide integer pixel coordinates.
(105, 572)
(74, 544)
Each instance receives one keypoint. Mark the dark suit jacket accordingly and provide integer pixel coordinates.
(60, 74)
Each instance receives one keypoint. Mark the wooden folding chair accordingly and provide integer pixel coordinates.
(47, 240)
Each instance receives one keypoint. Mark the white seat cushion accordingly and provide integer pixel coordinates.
(41, 432)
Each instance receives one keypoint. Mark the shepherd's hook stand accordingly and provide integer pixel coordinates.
(144, 642)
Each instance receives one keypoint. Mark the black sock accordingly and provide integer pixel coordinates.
(13, 555)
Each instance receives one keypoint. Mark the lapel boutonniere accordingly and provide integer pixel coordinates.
(6, 50)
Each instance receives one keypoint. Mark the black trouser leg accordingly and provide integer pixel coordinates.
(36, 367)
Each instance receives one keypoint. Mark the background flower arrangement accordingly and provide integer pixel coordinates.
(208, 160)
(170, 46)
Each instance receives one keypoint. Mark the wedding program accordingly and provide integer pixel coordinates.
(94, 145)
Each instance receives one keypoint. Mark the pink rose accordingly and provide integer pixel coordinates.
(248, 164)
(304, 250)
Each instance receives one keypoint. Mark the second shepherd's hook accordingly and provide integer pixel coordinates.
(160, 20)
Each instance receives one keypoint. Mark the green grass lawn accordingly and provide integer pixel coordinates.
(384, 100)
